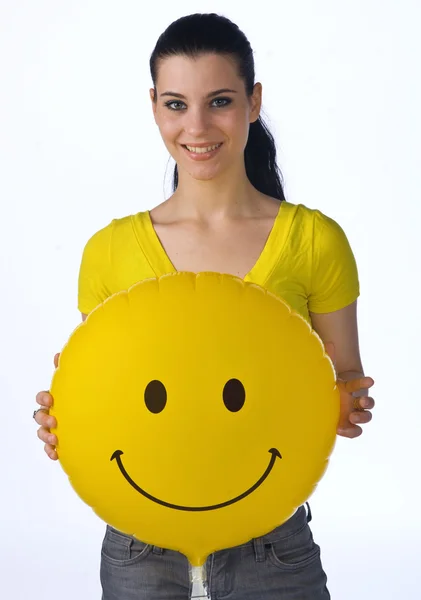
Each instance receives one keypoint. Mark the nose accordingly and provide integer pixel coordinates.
(196, 122)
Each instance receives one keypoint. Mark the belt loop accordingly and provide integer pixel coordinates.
(259, 549)
(309, 515)
(157, 550)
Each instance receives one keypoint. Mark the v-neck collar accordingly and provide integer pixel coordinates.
(161, 263)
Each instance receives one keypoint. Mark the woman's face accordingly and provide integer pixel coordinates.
(202, 103)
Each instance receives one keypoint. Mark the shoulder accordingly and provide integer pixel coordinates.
(301, 211)
(97, 242)
(118, 229)
(314, 221)
(307, 213)
(311, 220)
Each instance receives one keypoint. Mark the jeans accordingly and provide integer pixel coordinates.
(284, 564)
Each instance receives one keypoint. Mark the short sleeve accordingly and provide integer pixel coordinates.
(334, 278)
(95, 271)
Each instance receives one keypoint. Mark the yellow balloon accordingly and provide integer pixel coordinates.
(211, 410)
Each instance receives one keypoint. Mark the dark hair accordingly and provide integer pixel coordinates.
(199, 34)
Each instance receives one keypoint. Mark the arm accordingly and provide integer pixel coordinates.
(339, 332)
(340, 328)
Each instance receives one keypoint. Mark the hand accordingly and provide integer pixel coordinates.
(42, 417)
(355, 407)
(355, 404)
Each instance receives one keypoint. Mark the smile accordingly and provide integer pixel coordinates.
(201, 154)
(274, 455)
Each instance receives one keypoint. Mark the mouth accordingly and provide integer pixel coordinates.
(202, 153)
(274, 455)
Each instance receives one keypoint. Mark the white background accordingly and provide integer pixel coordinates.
(79, 147)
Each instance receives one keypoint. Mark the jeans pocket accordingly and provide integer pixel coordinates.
(123, 550)
(294, 552)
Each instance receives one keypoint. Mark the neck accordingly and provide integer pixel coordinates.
(229, 195)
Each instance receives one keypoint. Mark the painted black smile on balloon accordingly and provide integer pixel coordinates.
(273, 451)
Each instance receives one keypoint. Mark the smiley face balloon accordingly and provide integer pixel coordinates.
(211, 410)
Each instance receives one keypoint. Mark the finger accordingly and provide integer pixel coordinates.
(44, 399)
(361, 383)
(365, 402)
(52, 453)
(46, 436)
(56, 357)
(350, 432)
(360, 417)
(41, 417)
(45, 420)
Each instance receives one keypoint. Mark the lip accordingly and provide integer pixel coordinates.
(274, 452)
(202, 155)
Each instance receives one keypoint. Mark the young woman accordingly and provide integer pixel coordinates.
(228, 214)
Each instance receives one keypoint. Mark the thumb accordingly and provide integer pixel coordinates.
(56, 359)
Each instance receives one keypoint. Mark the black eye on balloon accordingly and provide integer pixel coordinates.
(234, 395)
(155, 396)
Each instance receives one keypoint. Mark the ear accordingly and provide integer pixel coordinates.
(256, 102)
(152, 97)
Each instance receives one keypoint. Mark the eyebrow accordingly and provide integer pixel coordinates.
(215, 93)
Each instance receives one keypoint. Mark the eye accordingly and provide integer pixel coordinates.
(177, 105)
(170, 104)
(225, 102)
(234, 395)
(155, 396)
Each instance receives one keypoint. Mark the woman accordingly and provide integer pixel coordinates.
(227, 214)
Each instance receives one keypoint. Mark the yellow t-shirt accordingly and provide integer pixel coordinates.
(306, 260)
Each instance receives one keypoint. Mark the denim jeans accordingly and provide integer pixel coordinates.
(284, 564)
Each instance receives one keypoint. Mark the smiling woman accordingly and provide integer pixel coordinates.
(200, 126)
(203, 150)
(227, 214)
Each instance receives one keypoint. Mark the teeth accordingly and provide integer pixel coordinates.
(202, 150)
